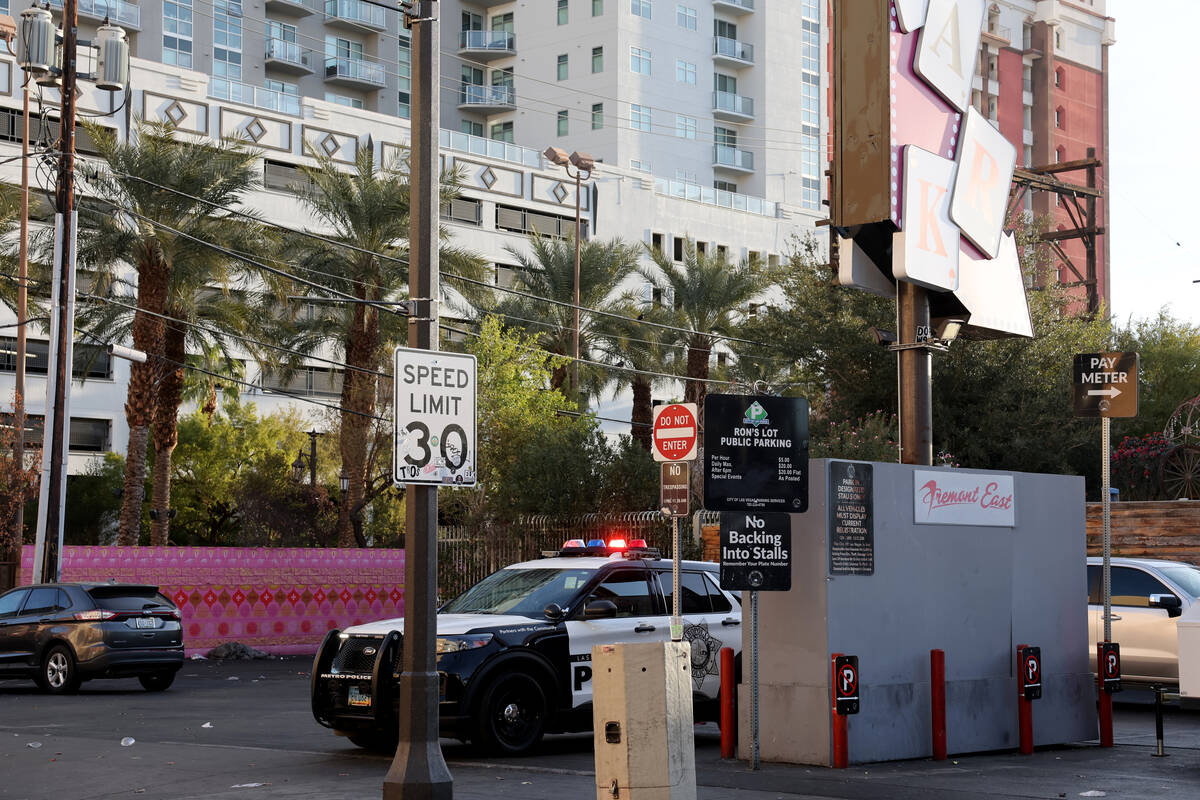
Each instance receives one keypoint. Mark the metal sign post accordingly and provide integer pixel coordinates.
(675, 445)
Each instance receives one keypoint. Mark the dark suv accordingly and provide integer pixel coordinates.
(61, 634)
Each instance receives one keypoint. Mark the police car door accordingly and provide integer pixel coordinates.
(639, 619)
(710, 622)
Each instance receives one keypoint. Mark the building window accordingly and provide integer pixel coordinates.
(679, 248)
(1058, 78)
(1060, 118)
(685, 71)
(502, 131)
(640, 8)
(562, 12)
(404, 73)
(685, 127)
(562, 122)
(725, 136)
(725, 186)
(639, 60)
(656, 242)
(1058, 39)
(639, 166)
(597, 116)
(227, 40)
(685, 17)
(343, 100)
(177, 33)
(470, 127)
(1060, 154)
(639, 117)
(562, 67)
(597, 60)
(597, 8)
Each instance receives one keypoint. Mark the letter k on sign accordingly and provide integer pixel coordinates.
(925, 252)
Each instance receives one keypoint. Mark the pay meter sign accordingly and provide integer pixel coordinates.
(845, 685)
(1109, 659)
(1106, 384)
(1029, 664)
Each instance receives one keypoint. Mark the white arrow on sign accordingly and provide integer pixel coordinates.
(1111, 391)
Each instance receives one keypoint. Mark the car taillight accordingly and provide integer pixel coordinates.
(175, 613)
(94, 615)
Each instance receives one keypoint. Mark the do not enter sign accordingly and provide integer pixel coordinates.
(675, 432)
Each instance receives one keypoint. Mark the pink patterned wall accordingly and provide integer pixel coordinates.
(281, 600)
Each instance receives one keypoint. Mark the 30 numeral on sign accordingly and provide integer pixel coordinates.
(454, 455)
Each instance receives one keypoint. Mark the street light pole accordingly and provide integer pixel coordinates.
(22, 310)
(584, 164)
(418, 770)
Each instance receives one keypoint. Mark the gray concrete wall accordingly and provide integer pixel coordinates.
(975, 592)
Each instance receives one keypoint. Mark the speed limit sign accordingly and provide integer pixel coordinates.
(434, 421)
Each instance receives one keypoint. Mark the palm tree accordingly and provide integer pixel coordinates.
(710, 295)
(165, 202)
(203, 384)
(364, 213)
(643, 350)
(549, 272)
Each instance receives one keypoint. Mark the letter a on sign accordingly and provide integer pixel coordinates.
(948, 46)
(925, 252)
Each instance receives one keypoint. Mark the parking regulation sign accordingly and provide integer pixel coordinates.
(1030, 665)
(1109, 658)
(845, 685)
(434, 423)
(1106, 384)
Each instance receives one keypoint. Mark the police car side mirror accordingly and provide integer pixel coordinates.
(554, 612)
(600, 609)
(1170, 602)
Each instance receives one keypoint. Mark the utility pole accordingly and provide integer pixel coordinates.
(418, 770)
(54, 447)
(915, 374)
(22, 310)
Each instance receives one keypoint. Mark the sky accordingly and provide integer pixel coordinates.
(1154, 177)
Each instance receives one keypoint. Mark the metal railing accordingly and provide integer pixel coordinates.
(356, 11)
(716, 197)
(487, 40)
(726, 156)
(733, 103)
(473, 95)
(291, 52)
(746, 4)
(355, 69)
(732, 48)
(492, 148)
(257, 96)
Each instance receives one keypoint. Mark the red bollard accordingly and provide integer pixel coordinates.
(841, 744)
(728, 688)
(937, 702)
(1024, 708)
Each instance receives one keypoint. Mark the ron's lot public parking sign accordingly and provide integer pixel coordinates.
(755, 453)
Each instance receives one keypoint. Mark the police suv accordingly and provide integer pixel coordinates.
(514, 651)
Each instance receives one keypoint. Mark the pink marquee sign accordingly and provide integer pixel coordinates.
(281, 600)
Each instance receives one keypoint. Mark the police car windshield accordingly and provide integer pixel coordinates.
(525, 592)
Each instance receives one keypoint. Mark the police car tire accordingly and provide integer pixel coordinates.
(512, 714)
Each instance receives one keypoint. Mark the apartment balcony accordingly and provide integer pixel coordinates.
(486, 99)
(289, 57)
(732, 52)
(732, 158)
(293, 8)
(257, 96)
(486, 45)
(487, 3)
(355, 72)
(733, 107)
(355, 15)
(737, 7)
(118, 12)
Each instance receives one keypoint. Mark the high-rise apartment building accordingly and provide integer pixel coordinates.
(1042, 78)
(722, 94)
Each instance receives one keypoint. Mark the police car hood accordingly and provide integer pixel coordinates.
(447, 624)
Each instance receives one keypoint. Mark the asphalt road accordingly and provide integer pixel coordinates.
(243, 730)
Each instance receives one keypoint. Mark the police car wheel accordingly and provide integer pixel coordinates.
(512, 716)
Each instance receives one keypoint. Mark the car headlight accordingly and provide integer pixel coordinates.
(453, 644)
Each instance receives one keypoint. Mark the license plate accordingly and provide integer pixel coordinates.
(145, 622)
(357, 697)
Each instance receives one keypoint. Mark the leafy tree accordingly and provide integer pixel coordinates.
(202, 384)
(18, 482)
(1168, 369)
(644, 350)
(710, 296)
(166, 201)
(630, 478)
(233, 486)
(550, 272)
(93, 506)
(364, 213)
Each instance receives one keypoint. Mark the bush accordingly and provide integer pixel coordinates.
(1136, 466)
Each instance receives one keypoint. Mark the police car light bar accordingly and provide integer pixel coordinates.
(616, 544)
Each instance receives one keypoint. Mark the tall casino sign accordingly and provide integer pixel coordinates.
(920, 177)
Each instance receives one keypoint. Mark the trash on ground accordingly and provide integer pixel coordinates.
(206, 725)
(128, 741)
(247, 785)
(198, 657)
(1093, 793)
(34, 745)
(233, 678)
